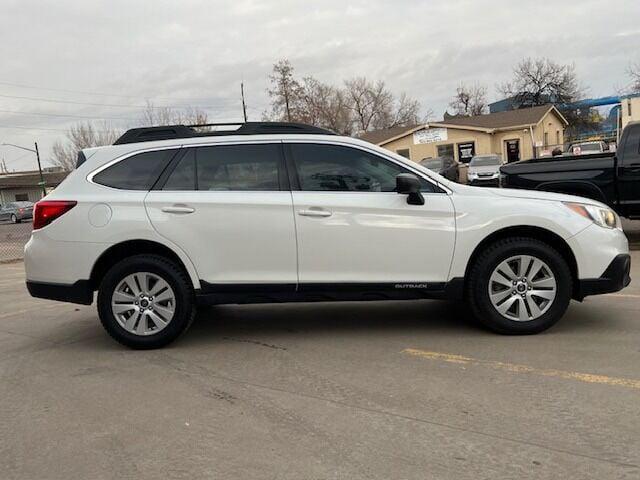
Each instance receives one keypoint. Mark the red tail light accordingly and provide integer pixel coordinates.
(47, 211)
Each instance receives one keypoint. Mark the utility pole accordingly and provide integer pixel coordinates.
(42, 184)
(244, 106)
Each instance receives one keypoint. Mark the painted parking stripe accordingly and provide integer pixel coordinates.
(515, 368)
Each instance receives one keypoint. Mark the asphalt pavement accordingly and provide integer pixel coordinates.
(398, 390)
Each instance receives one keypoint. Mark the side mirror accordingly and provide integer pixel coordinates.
(409, 184)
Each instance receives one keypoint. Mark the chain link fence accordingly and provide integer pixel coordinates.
(13, 238)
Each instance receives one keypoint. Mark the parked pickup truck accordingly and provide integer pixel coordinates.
(611, 178)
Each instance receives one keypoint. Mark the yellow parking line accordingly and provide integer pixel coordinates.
(510, 367)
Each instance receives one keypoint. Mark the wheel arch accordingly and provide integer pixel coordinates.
(129, 248)
(538, 233)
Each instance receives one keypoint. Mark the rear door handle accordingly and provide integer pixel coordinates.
(183, 209)
(312, 212)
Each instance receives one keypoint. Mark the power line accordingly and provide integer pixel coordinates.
(85, 92)
(22, 127)
(71, 102)
(42, 114)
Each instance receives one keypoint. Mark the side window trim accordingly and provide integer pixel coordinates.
(283, 178)
(293, 170)
(92, 174)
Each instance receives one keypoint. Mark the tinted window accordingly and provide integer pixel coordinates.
(344, 169)
(239, 167)
(138, 172)
(183, 176)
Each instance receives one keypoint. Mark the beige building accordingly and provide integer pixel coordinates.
(512, 134)
(629, 109)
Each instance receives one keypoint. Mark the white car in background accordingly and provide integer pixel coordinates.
(484, 170)
(169, 218)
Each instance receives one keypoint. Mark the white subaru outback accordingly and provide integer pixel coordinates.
(168, 218)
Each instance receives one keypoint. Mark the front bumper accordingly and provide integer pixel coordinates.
(615, 278)
(489, 182)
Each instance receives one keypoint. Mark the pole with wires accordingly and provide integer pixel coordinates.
(244, 106)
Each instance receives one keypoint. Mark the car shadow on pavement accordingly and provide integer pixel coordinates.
(319, 319)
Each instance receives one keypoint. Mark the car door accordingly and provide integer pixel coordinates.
(352, 227)
(229, 208)
(629, 171)
(5, 212)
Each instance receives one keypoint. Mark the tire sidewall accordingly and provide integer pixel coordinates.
(183, 313)
(14, 219)
(486, 312)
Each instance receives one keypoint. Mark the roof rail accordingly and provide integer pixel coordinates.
(168, 132)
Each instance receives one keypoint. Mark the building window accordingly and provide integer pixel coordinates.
(22, 197)
(557, 137)
(446, 151)
(546, 138)
(404, 152)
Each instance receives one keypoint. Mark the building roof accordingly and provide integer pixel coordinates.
(523, 117)
(506, 119)
(31, 179)
(379, 136)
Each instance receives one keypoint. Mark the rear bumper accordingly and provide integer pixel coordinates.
(615, 278)
(78, 292)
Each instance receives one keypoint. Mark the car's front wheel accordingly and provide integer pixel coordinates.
(145, 301)
(14, 219)
(519, 286)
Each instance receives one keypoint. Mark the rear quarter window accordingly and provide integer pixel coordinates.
(138, 172)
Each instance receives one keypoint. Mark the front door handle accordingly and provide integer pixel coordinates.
(183, 209)
(313, 212)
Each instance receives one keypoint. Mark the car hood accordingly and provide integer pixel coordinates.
(539, 195)
(484, 169)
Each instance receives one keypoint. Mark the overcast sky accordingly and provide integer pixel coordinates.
(190, 52)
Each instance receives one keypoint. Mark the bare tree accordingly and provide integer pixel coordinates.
(284, 93)
(80, 136)
(540, 81)
(469, 100)
(369, 102)
(157, 116)
(634, 72)
(325, 106)
(361, 104)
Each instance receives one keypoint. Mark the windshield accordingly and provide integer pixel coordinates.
(485, 161)
(434, 164)
(588, 147)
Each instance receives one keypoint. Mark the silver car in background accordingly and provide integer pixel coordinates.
(484, 170)
(16, 211)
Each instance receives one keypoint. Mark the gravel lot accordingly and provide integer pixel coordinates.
(402, 390)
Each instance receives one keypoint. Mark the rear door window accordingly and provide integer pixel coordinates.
(247, 167)
(138, 172)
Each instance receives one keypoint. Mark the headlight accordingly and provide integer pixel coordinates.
(605, 217)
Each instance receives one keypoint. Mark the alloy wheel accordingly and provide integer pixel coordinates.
(143, 303)
(522, 288)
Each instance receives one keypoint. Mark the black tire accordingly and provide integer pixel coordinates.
(184, 312)
(14, 219)
(483, 267)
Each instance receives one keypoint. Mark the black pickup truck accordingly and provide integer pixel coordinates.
(611, 178)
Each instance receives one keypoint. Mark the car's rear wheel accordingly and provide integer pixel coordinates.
(145, 301)
(14, 219)
(519, 286)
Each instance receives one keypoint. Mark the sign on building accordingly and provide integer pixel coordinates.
(430, 135)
